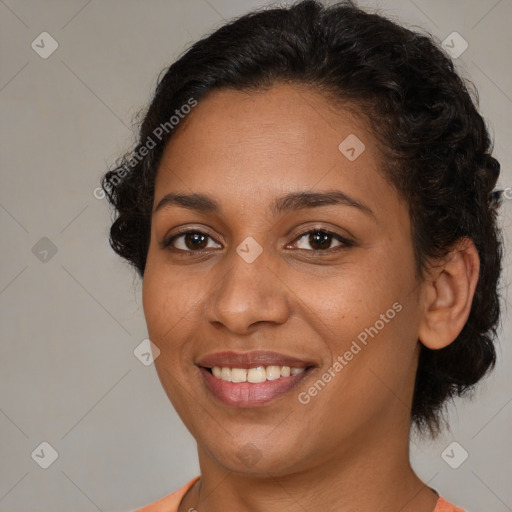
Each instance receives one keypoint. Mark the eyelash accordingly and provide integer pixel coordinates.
(345, 243)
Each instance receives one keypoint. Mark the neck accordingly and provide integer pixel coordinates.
(374, 473)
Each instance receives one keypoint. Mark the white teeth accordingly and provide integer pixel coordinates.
(238, 374)
(273, 372)
(256, 374)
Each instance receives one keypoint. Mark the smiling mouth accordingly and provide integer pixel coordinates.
(252, 387)
(256, 374)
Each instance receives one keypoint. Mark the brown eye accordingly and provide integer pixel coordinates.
(195, 241)
(321, 240)
(190, 241)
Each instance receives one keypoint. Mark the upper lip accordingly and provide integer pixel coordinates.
(251, 359)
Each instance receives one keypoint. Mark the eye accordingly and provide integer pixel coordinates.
(320, 240)
(190, 241)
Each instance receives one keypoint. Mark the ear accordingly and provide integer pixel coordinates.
(448, 294)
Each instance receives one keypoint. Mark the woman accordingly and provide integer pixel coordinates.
(310, 205)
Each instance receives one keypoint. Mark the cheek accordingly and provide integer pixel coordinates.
(354, 297)
(155, 301)
(164, 288)
(368, 312)
(167, 301)
(173, 302)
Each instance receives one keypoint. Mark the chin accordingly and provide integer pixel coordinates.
(254, 458)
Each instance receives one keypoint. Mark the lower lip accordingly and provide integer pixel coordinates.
(246, 394)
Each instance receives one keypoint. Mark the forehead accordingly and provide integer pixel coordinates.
(246, 146)
(280, 118)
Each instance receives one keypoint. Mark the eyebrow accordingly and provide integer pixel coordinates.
(290, 202)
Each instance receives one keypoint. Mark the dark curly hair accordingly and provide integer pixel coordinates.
(436, 146)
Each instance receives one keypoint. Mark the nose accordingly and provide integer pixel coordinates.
(248, 294)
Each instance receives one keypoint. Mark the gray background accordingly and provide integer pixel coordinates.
(70, 323)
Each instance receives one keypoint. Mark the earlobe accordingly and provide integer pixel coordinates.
(448, 294)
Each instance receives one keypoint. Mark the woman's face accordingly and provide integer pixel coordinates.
(299, 254)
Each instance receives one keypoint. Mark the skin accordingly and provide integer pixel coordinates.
(347, 449)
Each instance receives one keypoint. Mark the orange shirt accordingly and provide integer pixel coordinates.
(171, 502)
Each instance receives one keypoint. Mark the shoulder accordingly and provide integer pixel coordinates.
(170, 503)
(445, 506)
